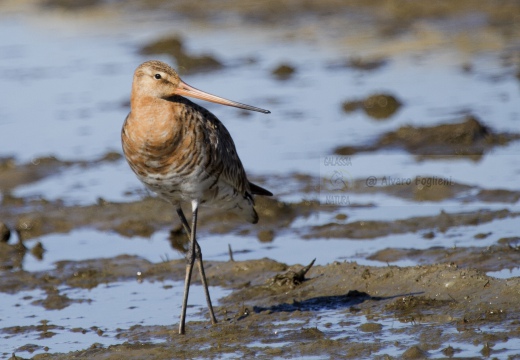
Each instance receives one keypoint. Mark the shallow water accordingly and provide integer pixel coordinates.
(64, 88)
(78, 87)
(91, 244)
(109, 307)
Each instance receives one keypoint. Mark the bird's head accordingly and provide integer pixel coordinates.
(157, 79)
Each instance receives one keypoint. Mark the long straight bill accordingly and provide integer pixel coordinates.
(187, 90)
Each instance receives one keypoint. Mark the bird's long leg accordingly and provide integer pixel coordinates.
(184, 222)
(194, 252)
(198, 255)
(190, 260)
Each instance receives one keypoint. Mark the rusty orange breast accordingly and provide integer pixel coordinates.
(153, 135)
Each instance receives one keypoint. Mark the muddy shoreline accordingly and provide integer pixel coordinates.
(450, 291)
(445, 306)
(448, 298)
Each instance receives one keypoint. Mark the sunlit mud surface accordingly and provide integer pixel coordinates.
(392, 150)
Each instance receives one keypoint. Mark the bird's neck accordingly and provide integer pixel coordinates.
(153, 122)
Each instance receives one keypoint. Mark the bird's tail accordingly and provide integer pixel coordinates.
(257, 190)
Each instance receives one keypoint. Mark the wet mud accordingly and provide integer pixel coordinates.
(378, 106)
(272, 302)
(186, 62)
(34, 217)
(437, 223)
(491, 258)
(338, 310)
(456, 303)
(469, 138)
(283, 71)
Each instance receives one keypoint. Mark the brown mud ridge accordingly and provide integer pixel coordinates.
(392, 17)
(29, 218)
(33, 217)
(263, 310)
(186, 63)
(429, 225)
(469, 138)
(503, 255)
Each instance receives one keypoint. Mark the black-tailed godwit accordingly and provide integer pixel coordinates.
(183, 153)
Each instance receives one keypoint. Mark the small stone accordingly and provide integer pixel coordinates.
(283, 71)
(341, 217)
(415, 352)
(381, 106)
(370, 327)
(266, 235)
(429, 235)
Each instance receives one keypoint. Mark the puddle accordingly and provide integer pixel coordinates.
(90, 244)
(505, 273)
(80, 186)
(393, 337)
(306, 120)
(96, 315)
(85, 117)
(502, 347)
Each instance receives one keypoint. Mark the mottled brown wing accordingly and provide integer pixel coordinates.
(224, 157)
(233, 172)
(225, 154)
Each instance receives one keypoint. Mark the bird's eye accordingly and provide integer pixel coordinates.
(157, 76)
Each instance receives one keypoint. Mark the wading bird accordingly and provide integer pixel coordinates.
(183, 153)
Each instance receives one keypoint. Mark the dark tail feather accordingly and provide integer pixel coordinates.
(257, 190)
